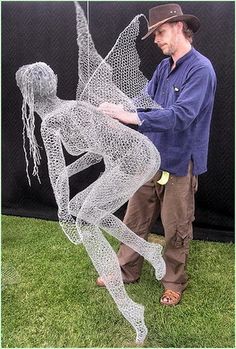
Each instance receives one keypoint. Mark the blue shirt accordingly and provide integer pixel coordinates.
(180, 130)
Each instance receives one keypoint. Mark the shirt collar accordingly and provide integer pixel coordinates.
(183, 58)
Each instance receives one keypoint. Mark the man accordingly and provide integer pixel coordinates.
(184, 85)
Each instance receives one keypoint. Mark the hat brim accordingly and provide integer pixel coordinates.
(192, 21)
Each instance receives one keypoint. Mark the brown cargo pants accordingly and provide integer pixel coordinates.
(174, 202)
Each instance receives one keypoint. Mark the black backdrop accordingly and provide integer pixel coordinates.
(46, 31)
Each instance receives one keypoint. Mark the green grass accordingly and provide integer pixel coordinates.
(49, 296)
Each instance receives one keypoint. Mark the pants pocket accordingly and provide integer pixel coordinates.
(183, 235)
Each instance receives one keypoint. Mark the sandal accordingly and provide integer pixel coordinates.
(170, 297)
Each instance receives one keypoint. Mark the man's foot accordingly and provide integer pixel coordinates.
(170, 297)
(100, 282)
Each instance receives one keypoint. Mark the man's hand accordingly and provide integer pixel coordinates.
(116, 111)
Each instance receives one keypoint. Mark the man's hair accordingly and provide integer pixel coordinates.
(188, 33)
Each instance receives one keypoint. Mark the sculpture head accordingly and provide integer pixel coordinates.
(37, 83)
(36, 80)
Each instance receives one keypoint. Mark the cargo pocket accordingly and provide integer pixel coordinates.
(184, 233)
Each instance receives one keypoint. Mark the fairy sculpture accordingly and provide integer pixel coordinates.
(130, 158)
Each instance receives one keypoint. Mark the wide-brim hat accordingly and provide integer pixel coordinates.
(169, 13)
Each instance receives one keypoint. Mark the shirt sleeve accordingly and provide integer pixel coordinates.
(195, 94)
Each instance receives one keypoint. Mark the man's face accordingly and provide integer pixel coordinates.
(166, 37)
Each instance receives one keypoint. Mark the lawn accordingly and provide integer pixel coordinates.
(50, 299)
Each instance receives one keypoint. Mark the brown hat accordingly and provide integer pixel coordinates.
(169, 13)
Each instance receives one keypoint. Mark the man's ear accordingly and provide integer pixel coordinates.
(179, 26)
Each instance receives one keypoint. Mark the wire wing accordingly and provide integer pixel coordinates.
(116, 78)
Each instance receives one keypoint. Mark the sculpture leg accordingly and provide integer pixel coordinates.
(106, 263)
(77, 200)
(150, 251)
(109, 192)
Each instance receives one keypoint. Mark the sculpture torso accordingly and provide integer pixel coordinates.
(82, 128)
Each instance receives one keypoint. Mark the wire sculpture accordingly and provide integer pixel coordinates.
(130, 158)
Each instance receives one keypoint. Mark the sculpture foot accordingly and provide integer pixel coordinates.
(158, 262)
(160, 270)
(141, 334)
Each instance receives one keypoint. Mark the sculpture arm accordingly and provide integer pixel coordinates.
(55, 156)
(60, 181)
